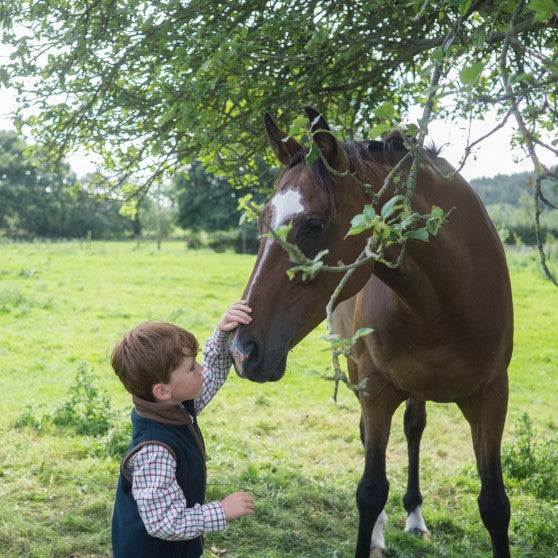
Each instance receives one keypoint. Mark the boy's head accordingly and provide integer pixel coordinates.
(148, 354)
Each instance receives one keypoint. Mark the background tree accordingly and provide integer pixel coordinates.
(151, 86)
(91, 216)
(208, 202)
(205, 202)
(37, 200)
(508, 200)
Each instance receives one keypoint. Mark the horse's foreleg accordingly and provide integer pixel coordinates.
(414, 423)
(486, 413)
(378, 406)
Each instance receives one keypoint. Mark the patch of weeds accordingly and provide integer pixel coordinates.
(118, 440)
(46, 304)
(31, 417)
(263, 429)
(262, 401)
(535, 528)
(27, 273)
(87, 410)
(177, 314)
(532, 462)
(11, 297)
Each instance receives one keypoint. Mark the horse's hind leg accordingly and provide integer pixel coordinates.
(486, 413)
(414, 423)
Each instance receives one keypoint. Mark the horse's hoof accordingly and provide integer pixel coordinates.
(424, 535)
(377, 552)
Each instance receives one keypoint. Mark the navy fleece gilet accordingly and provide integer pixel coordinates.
(129, 536)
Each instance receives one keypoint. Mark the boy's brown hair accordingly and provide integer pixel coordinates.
(147, 355)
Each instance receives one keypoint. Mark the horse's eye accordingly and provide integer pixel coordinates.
(313, 227)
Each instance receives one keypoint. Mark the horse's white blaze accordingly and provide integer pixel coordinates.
(284, 206)
(415, 521)
(267, 242)
(378, 532)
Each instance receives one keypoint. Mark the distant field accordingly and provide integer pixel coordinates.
(62, 306)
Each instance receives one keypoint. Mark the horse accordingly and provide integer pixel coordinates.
(442, 320)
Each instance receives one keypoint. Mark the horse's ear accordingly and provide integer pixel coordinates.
(282, 147)
(326, 142)
(317, 121)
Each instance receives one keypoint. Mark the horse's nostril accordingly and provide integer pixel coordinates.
(252, 350)
(244, 353)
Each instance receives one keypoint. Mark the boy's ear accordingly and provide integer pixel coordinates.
(161, 392)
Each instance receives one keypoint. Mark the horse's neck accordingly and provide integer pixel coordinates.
(426, 284)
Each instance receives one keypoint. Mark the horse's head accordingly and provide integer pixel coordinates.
(319, 205)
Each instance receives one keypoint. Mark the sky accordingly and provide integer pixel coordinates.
(493, 157)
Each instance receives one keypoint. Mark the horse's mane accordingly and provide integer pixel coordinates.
(366, 158)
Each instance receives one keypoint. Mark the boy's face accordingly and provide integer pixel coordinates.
(186, 381)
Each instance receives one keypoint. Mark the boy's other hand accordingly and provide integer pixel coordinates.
(238, 504)
(237, 314)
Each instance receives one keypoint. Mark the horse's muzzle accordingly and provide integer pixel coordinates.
(251, 362)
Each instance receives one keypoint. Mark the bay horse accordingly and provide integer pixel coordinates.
(442, 321)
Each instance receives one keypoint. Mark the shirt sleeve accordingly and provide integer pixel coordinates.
(161, 502)
(217, 363)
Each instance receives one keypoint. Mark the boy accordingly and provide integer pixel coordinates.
(159, 509)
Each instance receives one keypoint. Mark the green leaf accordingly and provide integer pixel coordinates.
(362, 332)
(359, 223)
(313, 154)
(391, 206)
(283, 231)
(378, 130)
(411, 130)
(432, 225)
(298, 126)
(437, 54)
(543, 8)
(419, 234)
(331, 338)
(469, 74)
(385, 111)
(447, 44)
(321, 254)
(464, 7)
(409, 221)
(369, 212)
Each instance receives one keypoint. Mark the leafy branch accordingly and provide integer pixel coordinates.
(540, 171)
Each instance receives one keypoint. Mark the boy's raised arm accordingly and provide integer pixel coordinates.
(237, 313)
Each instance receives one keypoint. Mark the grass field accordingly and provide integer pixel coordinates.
(62, 306)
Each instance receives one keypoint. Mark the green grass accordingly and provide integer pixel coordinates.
(63, 305)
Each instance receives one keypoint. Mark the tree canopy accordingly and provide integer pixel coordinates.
(151, 86)
(159, 83)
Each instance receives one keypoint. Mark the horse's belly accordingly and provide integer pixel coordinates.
(436, 385)
(436, 375)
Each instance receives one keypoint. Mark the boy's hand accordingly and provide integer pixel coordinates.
(238, 504)
(238, 313)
